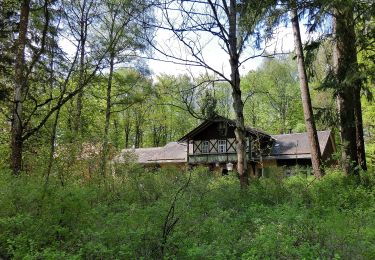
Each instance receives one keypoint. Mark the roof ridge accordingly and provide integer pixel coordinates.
(329, 130)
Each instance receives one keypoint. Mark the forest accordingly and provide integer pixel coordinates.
(82, 80)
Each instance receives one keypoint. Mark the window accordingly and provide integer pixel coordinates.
(222, 129)
(222, 146)
(205, 147)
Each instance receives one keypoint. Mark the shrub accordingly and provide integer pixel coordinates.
(171, 213)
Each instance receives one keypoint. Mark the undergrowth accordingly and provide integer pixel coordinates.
(174, 214)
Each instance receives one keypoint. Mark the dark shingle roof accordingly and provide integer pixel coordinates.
(206, 123)
(285, 146)
(296, 145)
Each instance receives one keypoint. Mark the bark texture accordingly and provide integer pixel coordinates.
(348, 93)
(316, 157)
(19, 88)
(240, 130)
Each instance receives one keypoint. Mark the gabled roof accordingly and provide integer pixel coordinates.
(206, 123)
(297, 145)
(285, 146)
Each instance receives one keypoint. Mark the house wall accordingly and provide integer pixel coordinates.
(218, 130)
(213, 146)
(259, 146)
(222, 131)
(196, 154)
(212, 158)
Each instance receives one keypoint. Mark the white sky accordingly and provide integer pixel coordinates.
(212, 53)
(217, 58)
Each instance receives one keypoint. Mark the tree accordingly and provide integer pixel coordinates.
(348, 90)
(19, 88)
(224, 21)
(272, 89)
(80, 17)
(175, 106)
(123, 43)
(316, 157)
(8, 28)
(43, 77)
(24, 84)
(208, 105)
(345, 77)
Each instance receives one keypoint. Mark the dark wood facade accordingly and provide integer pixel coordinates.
(214, 142)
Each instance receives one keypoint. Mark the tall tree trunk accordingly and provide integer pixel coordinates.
(138, 136)
(78, 119)
(139, 120)
(165, 135)
(117, 134)
(155, 136)
(316, 157)
(52, 146)
(19, 87)
(127, 129)
(344, 58)
(360, 142)
(54, 126)
(240, 130)
(83, 37)
(253, 116)
(107, 115)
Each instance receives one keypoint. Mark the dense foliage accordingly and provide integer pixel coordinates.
(170, 213)
(75, 89)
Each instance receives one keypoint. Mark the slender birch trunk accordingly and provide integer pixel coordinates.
(240, 130)
(316, 158)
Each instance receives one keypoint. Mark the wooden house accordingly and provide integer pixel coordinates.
(213, 144)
